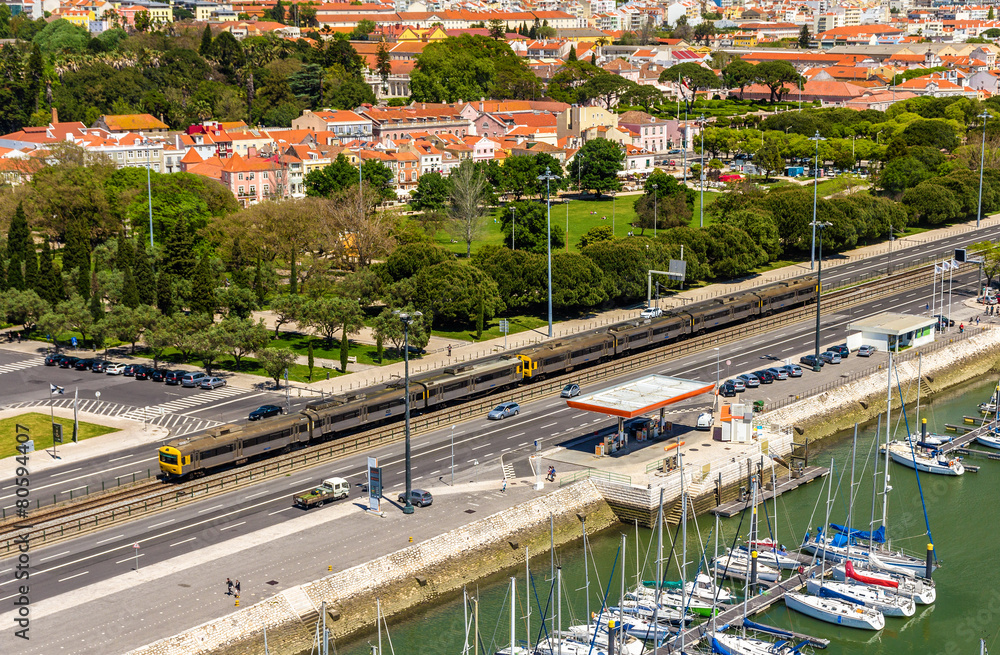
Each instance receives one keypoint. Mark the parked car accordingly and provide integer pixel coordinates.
(68, 362)
(866, 351)
(173, 377)
(83, 364)
(830, 357)
(944, 321)
(264, 411)
(192, 379)
(570, 391)
(99, 366)
(750, 380)
(418, 498)
(143, 372)
(159, 374)
(778, 373)
(114, 369)
(793, 370)
(503, 410)
(738, 383)
(811, 361)
(841, 350)
(651, 312)
(211, 383)
(52, 360)
(130, 369)
(764, 377)
(704, 421)
(727, 389)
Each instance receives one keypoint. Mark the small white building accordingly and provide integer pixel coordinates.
(890, 331)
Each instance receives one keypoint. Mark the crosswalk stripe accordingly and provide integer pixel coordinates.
(23, 364)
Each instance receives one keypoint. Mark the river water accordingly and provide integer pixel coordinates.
(964, 516)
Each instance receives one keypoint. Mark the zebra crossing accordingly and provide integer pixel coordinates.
(178, 424)
(21, 365)
(197, 397)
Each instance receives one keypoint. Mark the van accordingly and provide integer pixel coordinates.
(192, 379)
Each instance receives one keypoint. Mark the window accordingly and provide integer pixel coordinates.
(253, 189)
(267, 188)
(241, 177)
(251, 176)
(241, 188)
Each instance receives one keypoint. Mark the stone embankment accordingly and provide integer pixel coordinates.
(404, 580)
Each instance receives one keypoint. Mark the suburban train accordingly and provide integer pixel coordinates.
(327, 419)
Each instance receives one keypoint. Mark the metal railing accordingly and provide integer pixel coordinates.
(592, 474)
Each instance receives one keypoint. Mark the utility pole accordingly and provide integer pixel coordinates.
(817, 139)
(547, 177)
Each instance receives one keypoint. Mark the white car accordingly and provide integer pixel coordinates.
(651, 312)
(704, 421)
(114, 369)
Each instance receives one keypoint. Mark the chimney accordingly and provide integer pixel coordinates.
(55, 116)
(251, 151)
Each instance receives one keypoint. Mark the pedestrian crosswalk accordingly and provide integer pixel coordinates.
(21, 365)
(508, 471)
(196, 397)
(178, 424)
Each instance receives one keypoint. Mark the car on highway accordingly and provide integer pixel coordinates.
(764, 377)
(841, 350)
(704, 421)
(212, 383)
(651, 312)
(144, 372)
(727, 389)
(674, 151)
(83, 364)
(192, 379)
(811, 361)
(793, 370)
(750, 380)
(68, 361)
(830, 357)
(778, 372)
(738, 383)
(503, 410)
(159, 374)
(52, 360)
(866, 351)
(418, 498)
(114, 369)
(130, 369)
(570, 391)
(264, 411)
(99, 366)
(173, 377)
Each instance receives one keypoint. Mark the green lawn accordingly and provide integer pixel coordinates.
(492, 329)
(40, 430)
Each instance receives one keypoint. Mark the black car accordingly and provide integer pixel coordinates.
(159, 374)
(764, 376)
(143, 372)
(727, 390)
(264, 411)
(810, 361)
(52, 360)
(98, 366)
(83, 364)
(130, 369)
(173, 377)
(68, 362)
(841, 350)
(944, 321)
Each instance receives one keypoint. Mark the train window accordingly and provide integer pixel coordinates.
(717, 315)
(741, 308)
(168, 459)
(455, 386)
(344, 417)
(785, 296)
(554, 360)
(589, 350)
(636, 337)
(665, 328)
(220, 450)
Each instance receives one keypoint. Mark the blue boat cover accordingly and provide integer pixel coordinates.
(878, 536)
(766, 628)
(839, 540)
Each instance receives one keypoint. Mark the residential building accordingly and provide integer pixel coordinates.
(146, 123)
(347, 125)
(576, 120)
(654, 134)
(254, 179)
(398, 122)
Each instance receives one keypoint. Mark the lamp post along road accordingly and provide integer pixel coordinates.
(817, 139)
(407, 318)
(512, 227)
(819, 285)
(656, 197)
(547, 177)
(982, 160)
(149, 188)
(701, 212)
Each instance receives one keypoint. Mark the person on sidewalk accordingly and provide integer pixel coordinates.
(229, 587)
(449, 350)
(503, 486)
(237, 588)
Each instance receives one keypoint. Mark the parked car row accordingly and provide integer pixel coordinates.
(741, 383)
(138, 371)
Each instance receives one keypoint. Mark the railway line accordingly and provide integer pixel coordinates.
(73, 518)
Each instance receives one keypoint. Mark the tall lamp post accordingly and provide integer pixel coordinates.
(512, 227)
(407, 318)
(982, 160)
(819, 285)
(656, 197)
(547, 177)
(812, 262)
(701, 213)
(149, 188)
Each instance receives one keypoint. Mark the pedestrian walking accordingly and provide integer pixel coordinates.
(237, 588)
(961, 328)
(449, 350)
(503, 486)
(229, 587)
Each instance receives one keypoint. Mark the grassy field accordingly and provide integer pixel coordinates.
(40, 430)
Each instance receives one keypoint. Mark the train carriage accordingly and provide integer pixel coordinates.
(471, 379)
(561, 356)
(337, 414)
(785, 295)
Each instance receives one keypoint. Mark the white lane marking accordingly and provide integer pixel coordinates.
(182, 542)
(123, 457)
(79, 477)
(209, 509)
(55, 475)
(549, 425)
(54, 556)
(280, 511)
(159, 524)
(236, 400)
(229, 527)
(104, 541)
(74, 576)
(131, 559)
(442, 459)
(480, 446)
(260, 493)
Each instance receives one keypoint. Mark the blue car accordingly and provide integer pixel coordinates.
(503, 410)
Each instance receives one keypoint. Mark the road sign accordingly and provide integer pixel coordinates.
(374, 484)
(729, 362)
(960, 255)
(135, 545)
(57, 435)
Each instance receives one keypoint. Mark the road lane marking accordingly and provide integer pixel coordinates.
(209, 509)
(74, 576)
(182, 542)
(228, 527)
(159, 524)
(55, 475)
(54, 556)
(104, 541)
(131, 559)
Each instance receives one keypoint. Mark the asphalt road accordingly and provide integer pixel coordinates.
(102, 555)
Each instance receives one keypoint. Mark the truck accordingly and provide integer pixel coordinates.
(330, 489)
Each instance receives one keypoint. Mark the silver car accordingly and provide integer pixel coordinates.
(738, 384)
(830, 357)
(503, 410)
(778, 372)
(749, 379)
(793, 370)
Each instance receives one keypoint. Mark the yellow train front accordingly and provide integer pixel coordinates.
(173, 462)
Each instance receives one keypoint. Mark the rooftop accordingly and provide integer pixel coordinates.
(641, 396)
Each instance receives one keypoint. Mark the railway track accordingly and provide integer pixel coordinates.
(74, 518)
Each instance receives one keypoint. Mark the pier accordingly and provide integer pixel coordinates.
(781, 485)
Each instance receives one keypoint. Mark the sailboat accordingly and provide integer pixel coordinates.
(922, 591)
(736, 563)
(925, 460)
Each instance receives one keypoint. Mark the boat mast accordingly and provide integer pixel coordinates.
(465, 614)
(919, 362)
(513, 617)
(527, 593)
(559, 608)
(715, 559)
(684, 543)
(826, 524)
(586, 573)
(888, 421)
(850, 497)
(378, 622)
(621, 599)
(638, 580)
(659, 576)
(871, 523)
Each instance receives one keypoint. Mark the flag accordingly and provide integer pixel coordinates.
(954, 264)
(937, 269)
(54, 389)
(945, 266)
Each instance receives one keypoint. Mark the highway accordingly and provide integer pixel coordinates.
(478, 444)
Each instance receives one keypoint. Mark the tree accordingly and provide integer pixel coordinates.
(530, 224)
(451, 292)
(275, 361)
(331, 179)
(931, 203)
(597, 164)
(671, 211)
(145, 281)
(362, 29)
(76, 254)
(704, 31)
(243, 336)
(642, 95)
(577, 282)
(383, 66)
(77, 315)
(158, 340)
(520, 275)
(210, 344)
(237, 302)
(408, 260)
(991, 259)
(128, 324)
(693, 78)
(310, 360)
(205, 49)
(165, 294)
(733, 254)
(203, 297)
(469, 66)
(804, 38)
(760, 227)
(388, 327)
(938, 134)
(606, 88)
(572, 53)
(379, 179)
(498, 29)
(775, 75)
(287, 308)
(53, 324)
(738, 74)
(769, 159)
(130, 292)
(467, 202)
(433, 191)
(49, 284)
(357, 235)
(25, 307)
(595, 235)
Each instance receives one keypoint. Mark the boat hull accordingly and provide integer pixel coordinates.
(927, 464)
(834, 611)
(873, 597)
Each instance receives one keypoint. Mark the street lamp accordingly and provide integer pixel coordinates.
(982, 160)
(717, 369)
(819, 284)
(512, 227)
(547, 177)
(407, 318)
(149, 189)
(817, 139)
(701, 213)
(656, 197)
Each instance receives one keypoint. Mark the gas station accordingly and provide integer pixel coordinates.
(636, 399)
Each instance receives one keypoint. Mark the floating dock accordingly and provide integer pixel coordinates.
(784, 484)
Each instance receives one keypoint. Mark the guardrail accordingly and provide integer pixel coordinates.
(590, 473)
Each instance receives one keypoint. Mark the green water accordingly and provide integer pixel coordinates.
(964, 516)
